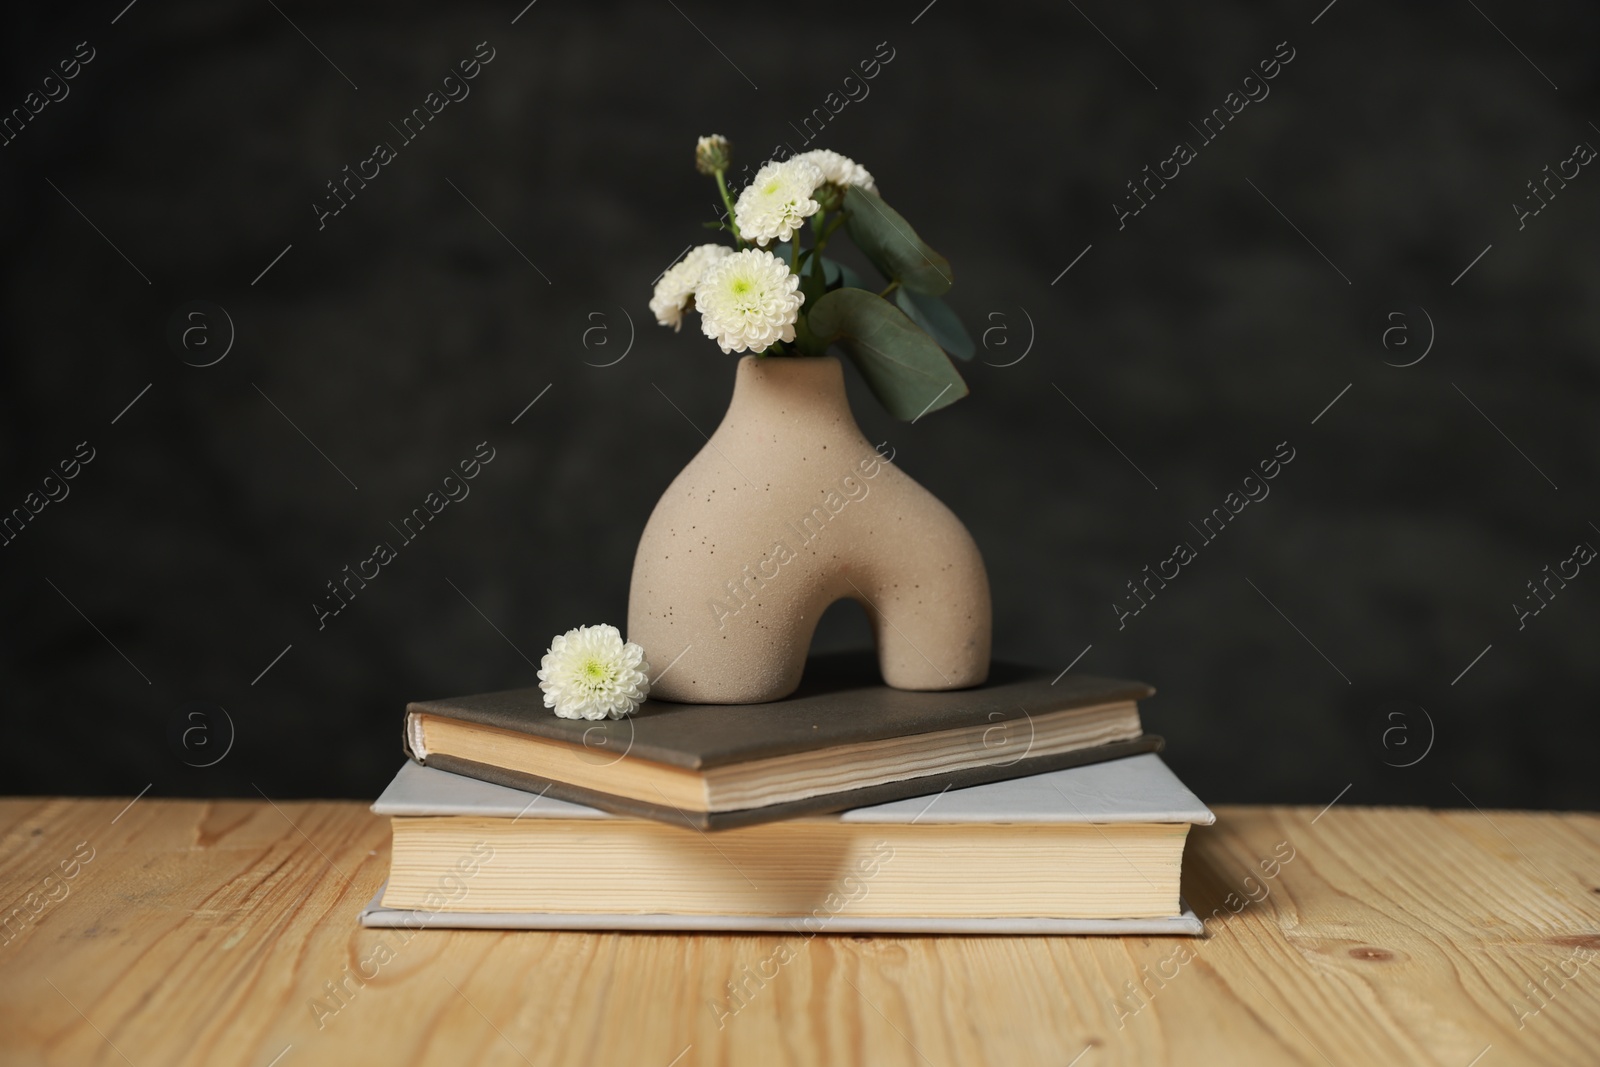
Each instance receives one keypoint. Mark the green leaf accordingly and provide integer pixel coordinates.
(942, 324)
(813, 281)
(892, 245)
(813, 285)
(808, 343)
(811, 288)
(840, 276)
(908, 373)
(781, 250)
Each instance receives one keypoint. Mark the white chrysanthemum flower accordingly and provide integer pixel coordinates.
(749, 300)
(777, 201)
(839, 170)
(588, 673)
(676, 287)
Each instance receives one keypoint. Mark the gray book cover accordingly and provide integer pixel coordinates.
(841, 702)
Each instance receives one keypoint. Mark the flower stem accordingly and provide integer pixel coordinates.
(891, 287)
(727, 200)
(827, 232)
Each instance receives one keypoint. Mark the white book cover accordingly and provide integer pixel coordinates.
(1138, 789)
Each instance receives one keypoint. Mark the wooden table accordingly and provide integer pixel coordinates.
(183, 932)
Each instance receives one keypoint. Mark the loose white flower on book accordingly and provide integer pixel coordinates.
(589, 673)
(749, 300)
(839, 170)
(777, 201)
(677, 285)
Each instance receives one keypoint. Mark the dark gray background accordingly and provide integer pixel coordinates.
(1197, 338)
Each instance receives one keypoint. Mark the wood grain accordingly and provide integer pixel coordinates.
(207, 933)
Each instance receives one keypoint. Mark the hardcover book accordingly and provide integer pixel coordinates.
(1091, 849)
(844, 740)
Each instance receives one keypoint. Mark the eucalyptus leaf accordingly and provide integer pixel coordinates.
(808, 343)
(942, 324)
(893, 246)
(908, 373)
(812, 285)
(781, 250)
(841, 276)
(813, 282)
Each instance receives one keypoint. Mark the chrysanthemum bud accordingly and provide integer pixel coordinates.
(830, 196)
(712, 154)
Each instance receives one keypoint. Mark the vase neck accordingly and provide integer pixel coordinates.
(809, 387)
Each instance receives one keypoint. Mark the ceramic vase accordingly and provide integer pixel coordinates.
(787, 509)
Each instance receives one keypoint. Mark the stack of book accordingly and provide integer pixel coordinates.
(1025, 806)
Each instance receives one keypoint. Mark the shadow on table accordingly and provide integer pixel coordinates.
(1223, 874)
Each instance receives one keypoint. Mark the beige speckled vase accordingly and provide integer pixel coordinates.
(787, 509)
